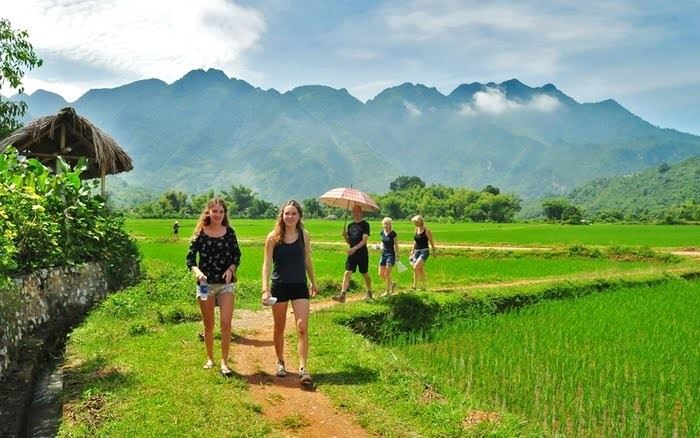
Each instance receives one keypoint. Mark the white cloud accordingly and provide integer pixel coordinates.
(544, 103)
(579, 25)
(493, 101)
(413, 110)
(140, 39)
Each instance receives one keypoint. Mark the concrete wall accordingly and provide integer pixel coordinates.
(42, 297)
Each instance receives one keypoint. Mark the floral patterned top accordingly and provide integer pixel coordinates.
(216, 254)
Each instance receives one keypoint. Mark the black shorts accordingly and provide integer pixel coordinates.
(358, 260)
(289, 291)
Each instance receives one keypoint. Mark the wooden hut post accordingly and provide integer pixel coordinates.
(103, 183)
(62, 146)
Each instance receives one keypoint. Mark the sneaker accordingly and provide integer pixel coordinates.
(368, 296)
(305, 378)
(340, 297)
(281, 372)
(384, 295)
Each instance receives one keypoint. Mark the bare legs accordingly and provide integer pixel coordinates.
(301, 319)
(419, 278)
(206, 307)
(226, 301)
(385, 273)
(346, 282)
(346, 285)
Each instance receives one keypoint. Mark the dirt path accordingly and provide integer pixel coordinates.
(293, 410)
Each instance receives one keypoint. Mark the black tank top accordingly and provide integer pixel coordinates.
(288, 262)
(421, 240)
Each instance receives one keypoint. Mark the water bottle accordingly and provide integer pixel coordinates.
(203, 290)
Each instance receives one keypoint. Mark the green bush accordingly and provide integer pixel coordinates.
(52, 219)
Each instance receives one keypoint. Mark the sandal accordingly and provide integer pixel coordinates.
(226, 372)
(209, 365)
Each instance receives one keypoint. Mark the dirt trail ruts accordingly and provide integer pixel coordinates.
(294, 411)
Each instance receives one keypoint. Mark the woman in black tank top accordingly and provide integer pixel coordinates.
(422, 237)
(286, 266)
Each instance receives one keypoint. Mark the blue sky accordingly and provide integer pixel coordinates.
(641, 53)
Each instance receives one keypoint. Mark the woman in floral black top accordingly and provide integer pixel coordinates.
(219, 256)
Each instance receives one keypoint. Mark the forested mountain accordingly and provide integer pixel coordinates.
(207, 130)
(645, 194)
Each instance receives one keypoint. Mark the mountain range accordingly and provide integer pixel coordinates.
(207, 130)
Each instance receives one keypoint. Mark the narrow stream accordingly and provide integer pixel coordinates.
(43, 416)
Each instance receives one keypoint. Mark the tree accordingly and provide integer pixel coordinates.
(16, 56)
(239, 199)
(572, 215)
(554, 208)
(173, 203)
(406, 182)
(491, 189)
(312, 208)
(392, 207)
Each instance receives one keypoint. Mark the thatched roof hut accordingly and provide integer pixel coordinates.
(72, 137)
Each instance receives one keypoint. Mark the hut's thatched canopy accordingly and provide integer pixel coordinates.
(70, 136)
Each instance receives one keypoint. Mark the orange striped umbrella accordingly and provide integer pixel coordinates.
(347, 198)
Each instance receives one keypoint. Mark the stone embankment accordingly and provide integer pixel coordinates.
(36, 313)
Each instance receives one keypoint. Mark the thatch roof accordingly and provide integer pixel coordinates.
(70, 136)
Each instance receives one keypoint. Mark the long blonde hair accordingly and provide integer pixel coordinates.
(279, 225)
(205, 219)
(418, 221)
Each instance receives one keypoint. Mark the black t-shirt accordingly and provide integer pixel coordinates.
(356, 230)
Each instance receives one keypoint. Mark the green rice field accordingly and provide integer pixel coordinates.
(448, 268)
(517, 234)
(624, 363)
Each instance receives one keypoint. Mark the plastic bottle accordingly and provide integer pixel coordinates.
(203, 290)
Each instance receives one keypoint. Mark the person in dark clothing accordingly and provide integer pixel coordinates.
(390, 254)
(420, 253)
(176, 228)
(286, 268)
(213, 258)
(356, 236)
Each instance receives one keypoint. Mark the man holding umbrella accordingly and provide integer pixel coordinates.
(356, 236)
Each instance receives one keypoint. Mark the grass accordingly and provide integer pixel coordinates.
(121, 365)
(612, 364)
(134, 366)
(518, 234)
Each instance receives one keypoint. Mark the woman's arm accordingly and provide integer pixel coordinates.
(267, 265)
(430, 239)
(396, 246)
(235, 259)
(191, 259)
(309, 264)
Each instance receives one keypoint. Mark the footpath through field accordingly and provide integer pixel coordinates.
(293, 410)
(679, 251)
